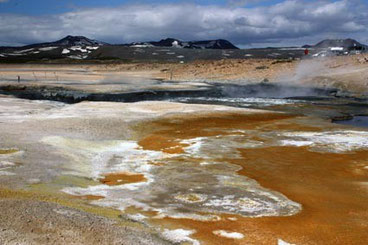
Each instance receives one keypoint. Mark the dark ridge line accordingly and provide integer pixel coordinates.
(75, 96)
(217, 90)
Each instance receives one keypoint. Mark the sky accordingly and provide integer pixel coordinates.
(246, 23)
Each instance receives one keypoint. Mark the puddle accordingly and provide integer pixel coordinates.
(242, 102)
(357, 121)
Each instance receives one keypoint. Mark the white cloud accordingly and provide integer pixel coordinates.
(286, 23)
(3, 1)
(242, 3)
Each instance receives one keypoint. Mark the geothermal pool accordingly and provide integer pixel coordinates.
(238, 170)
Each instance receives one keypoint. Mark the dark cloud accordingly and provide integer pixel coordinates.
(286, 23)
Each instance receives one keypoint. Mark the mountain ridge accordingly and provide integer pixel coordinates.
(347, 43)
(69, 41)
(176, 43)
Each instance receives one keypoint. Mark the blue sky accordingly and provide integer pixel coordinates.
(246, 23)
(44, 7)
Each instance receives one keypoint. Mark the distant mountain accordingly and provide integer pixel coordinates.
(80, 47)
(73, 47)
(68, 41)
(176, 43)
(348, 44)
(212, 44)
(168, 42)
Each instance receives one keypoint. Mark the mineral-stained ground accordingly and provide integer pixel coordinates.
(236, 164)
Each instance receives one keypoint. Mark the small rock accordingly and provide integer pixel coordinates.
(261, 67)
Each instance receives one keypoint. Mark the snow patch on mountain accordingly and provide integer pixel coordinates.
(175, 43)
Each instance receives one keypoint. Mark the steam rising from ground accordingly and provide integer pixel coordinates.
(307, 69)
(328, 72)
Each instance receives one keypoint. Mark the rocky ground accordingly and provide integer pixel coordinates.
(29, 221)
(343, 72)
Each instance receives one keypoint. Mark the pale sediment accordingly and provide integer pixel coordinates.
(65, 151)
(187, 170)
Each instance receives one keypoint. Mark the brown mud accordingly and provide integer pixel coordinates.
(122, 178)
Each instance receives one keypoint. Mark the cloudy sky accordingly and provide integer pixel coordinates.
(247, 23)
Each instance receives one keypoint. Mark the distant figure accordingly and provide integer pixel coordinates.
(306, 51)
